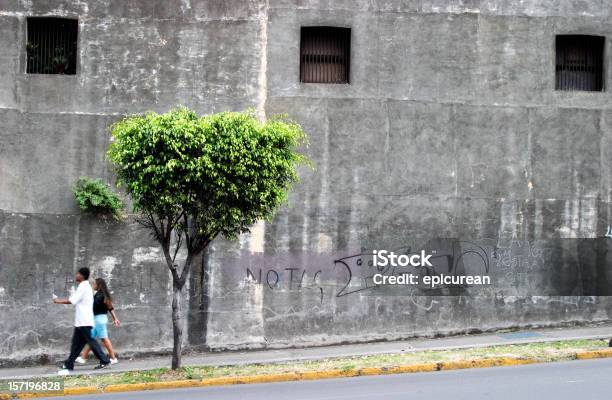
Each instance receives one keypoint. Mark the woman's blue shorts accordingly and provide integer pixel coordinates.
(99, 331)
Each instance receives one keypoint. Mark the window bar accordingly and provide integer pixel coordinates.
(576, 68)
(592, 66)
(34, 50)
(569, 69)
(575, 64)
(575, 56)
(61, 40)
(587, 78)
(315, 52)
(324, 56)
(41, 43)
(578, 73)
(39, 46)
(599, 74)
(47, 34)
(309, 57)
(56, 36)
(53, 47)
(48, 43)
(345, 71)
(310, 60)
(595, 66)
(330, 48)
(30, 40)
(319, 56)
(41, 50)
(562, 65)
(579, 51)
(303, 68)
(347, 57)
(581, 68)
(560, 74)
(572, 71)
(65, 50)
(315, 58)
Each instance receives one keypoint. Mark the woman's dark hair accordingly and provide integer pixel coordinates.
(102, 288)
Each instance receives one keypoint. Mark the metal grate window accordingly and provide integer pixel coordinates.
(325, 54)
(580, 63)
(51, 45)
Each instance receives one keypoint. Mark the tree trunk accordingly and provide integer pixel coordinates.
(178, 283)
(198, 302)
(177, 327)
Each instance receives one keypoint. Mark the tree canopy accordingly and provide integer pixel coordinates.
(224, 170)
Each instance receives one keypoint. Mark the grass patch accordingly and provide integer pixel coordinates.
(544, 352)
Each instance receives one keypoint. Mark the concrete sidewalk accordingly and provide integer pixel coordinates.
(314, 353)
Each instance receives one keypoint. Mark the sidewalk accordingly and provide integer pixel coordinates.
(314, 353)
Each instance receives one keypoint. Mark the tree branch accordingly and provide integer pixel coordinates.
(179, 236)
(187, 233)
(185, 272)
(196, 247)
(170, 264)
(161, 229)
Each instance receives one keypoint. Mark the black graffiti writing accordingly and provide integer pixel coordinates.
(290, 278)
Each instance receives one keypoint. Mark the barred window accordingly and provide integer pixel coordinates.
(325, 54)
(580, 63)
(51, 45)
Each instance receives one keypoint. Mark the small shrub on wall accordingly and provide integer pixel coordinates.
(95, 197)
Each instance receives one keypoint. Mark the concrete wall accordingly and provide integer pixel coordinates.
(148, 55)
(450, 127)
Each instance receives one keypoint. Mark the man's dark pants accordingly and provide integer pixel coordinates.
(81, 337)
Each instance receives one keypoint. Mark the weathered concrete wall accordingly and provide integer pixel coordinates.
(38, 256)
(450, 127)
(148, 55)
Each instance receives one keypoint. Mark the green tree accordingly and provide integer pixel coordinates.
(193, 178)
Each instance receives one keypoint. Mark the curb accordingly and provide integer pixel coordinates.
(311, 375)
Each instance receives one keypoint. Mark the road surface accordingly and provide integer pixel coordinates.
(582, 380)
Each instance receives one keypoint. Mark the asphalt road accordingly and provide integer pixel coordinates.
(582, 380)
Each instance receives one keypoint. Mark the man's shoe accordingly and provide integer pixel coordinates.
(80, 360)
(114, 360)
(102, 366)
(63, 370)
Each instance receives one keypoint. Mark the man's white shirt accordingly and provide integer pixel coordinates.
(83, 302)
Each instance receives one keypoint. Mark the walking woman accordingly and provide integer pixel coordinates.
(103, 304)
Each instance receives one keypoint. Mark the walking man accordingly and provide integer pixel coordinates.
(82, 299)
